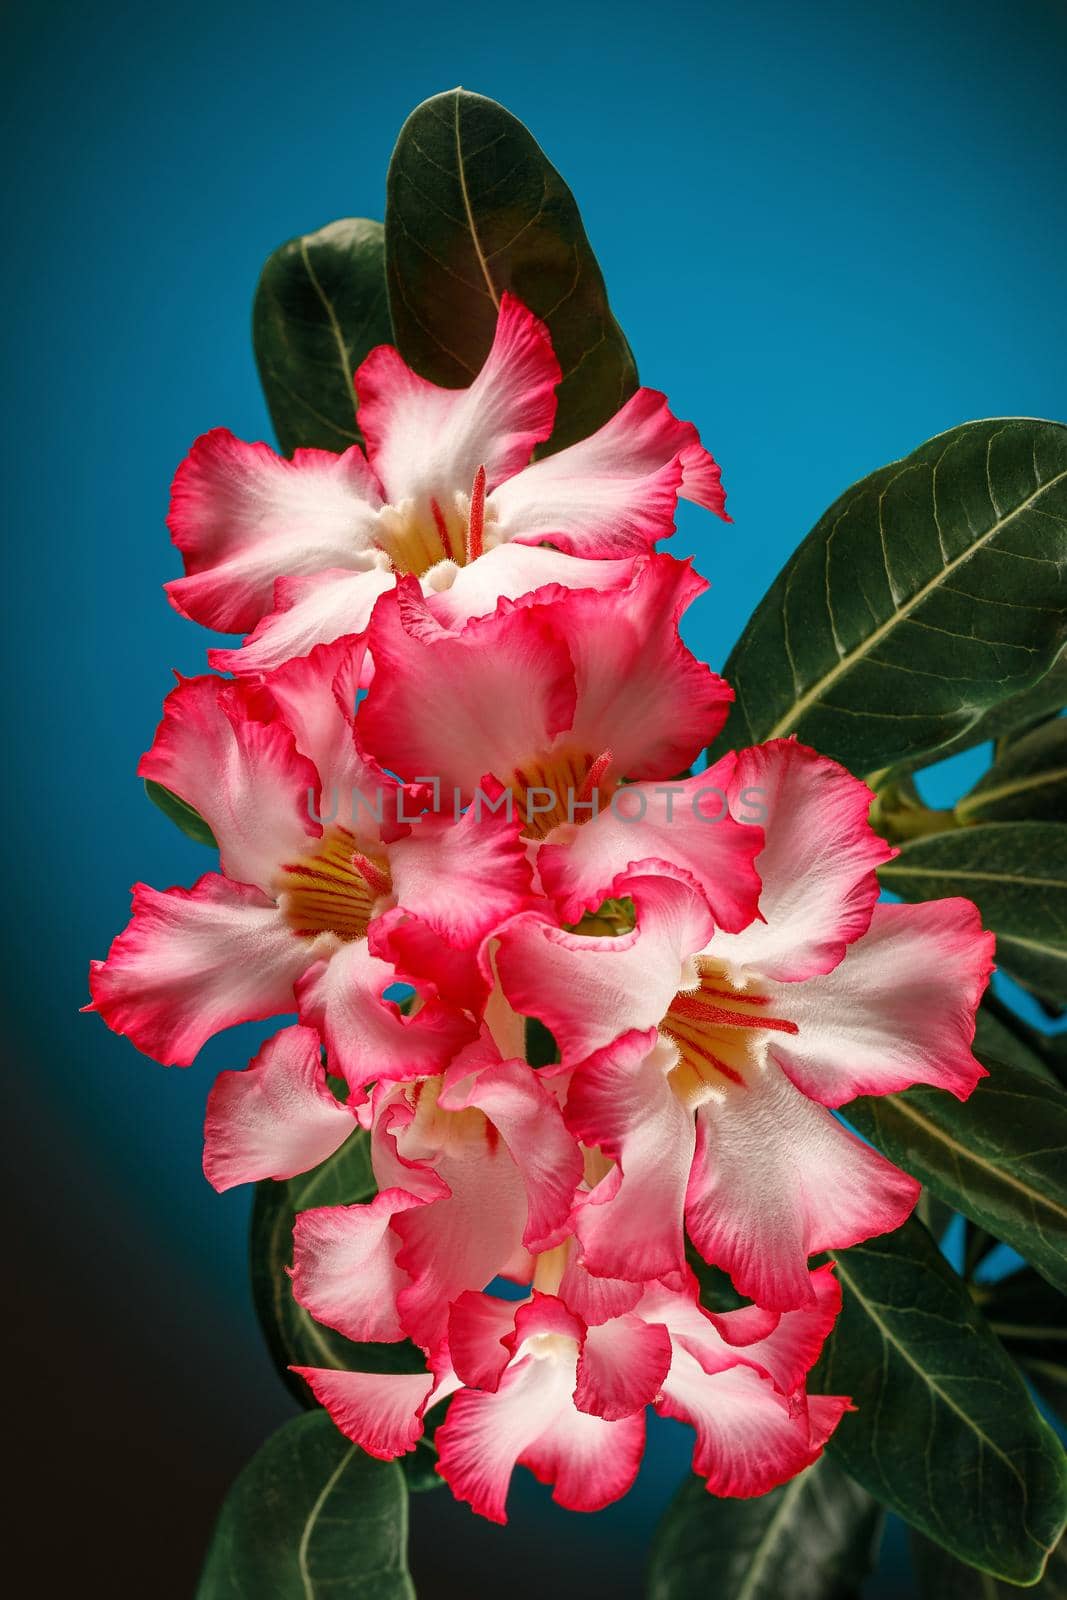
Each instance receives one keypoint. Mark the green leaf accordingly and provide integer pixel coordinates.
(1010, 717)
(320, 307)
(1029, 1317)
(180, 813)
(945, 1433)
(1002, 1035)
(475, 208)
(928, 593)
(1027, 783)
(942, 1577)
(1000, 1157)
(1016, 873)
(816, 1538)
(311, 1518)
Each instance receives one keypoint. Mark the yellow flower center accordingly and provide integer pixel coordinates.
(332, 890)
(719, 1031)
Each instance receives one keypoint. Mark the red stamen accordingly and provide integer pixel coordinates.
(442, 527)
(476, 521)
(376, 880)
(594, 775)
(691, 1006)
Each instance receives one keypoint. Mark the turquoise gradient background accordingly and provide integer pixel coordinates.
(829, 230)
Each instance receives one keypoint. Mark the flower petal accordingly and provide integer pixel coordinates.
(242, 516)
(614, 493)
(344, 1266)
(222, 750)
(632, 1224)
(818, 863)
(588, 990)
(777, 1179)
(277, 1117)
(622, 1367)
(194, 961)
(456, 705)
(380, 1411)
(512, 572)
(750, 1438)
(900, 1008)
(427, 442)
(640, 693)
(308, 611)
(526, 1115)
(686, 823)
(366, 1037)
(464, 875)
(481, 1334)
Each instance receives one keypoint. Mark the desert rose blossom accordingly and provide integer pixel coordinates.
(283, 926)
(475, 1172)
(707, 1063)
(536, 1384)
(559, 695)
(446, 480)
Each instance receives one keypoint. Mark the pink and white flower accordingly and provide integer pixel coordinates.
(475, 1171)
(298, 551)
(708, 1061)
(559, 696)
(536, 1384)
(284, 925)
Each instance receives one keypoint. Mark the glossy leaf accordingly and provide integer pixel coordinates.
(815, 1538)
(1027, 783)
(180, 813)
(320, 307)
(1000, 1157)
(928, 593)
(1002, 1035)
(1016, 873)
(942, 1577)
(311, 1518)
(1008, 718)
(1029, 1317)
(475, 208)
(945, 1432)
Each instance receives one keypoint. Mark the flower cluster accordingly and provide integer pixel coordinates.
(448, 758)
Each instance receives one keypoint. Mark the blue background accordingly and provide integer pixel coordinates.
(829, 230)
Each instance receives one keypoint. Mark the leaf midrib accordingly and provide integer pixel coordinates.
(812, 695)
(971, 1157)
(1001, 791)
(461, 173)
(311, 1519)
(769, 1538)
(930, 1383)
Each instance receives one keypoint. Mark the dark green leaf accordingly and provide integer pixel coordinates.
(942, 1577)
(311, 1518)
(929, 592)
(816, 1538)
(1008, 718)
(475, 208)
(1027, 783)
(320, 307)
(183, 815)
(1002, 1035)
(1000, 1157)
(1029, 1317)
(945, 1433)
(1016, 873)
